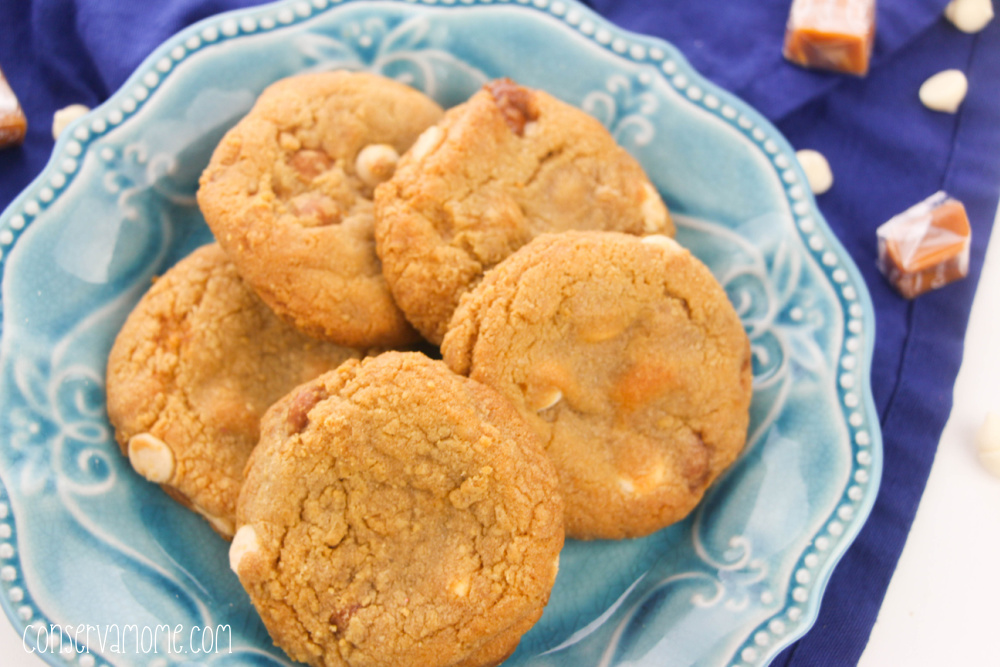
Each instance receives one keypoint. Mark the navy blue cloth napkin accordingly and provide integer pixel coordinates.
(887, 152)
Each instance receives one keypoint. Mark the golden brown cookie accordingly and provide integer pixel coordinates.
(509, 164)
(397, 514)
(196, 364)
(628, 360)
(288, 194)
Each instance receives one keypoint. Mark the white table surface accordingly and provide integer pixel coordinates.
(940, 608)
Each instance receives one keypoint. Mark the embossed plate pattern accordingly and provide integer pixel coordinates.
(85, 543)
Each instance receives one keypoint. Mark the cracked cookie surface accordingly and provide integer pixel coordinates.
(288, 194)
(396, 513)
(196, 364)
(626, 357)
(498, 170)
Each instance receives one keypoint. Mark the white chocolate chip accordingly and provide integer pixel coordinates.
(644, 484)
(547, 400)
(460, 587)
(988, 443)
(244, 542)
(602, 327)
(427, 142)
(662, 241)
(944, 91)
(151, 457)
(64, 117)
(221, 525)
(654, 213)
(817, 170)
(376, 163)
(289, 142)
(969, 16)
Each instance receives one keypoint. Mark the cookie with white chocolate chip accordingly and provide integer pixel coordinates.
(627, 358)
(288, 195)
(505, 166)
(395, 513)
(198, 361)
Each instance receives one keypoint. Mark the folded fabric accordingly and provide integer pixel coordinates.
(886, 150)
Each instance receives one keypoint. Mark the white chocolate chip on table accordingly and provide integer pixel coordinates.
(944, 91)
(969, 16)
(988, 443)
(817, 170)
(63, 117)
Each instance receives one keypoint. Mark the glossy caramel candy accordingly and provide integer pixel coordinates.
(13, 124)
(834, 35)
(926, 246)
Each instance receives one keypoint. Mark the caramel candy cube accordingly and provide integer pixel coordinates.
(926, 246)
(13, 124)
(831, 34)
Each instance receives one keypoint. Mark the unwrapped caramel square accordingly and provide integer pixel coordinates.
(831, 34)
(925, 246)
(13, 124)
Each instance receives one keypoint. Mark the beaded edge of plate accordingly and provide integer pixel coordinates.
(808, 577)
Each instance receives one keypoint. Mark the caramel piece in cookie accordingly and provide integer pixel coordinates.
(196, 364)
(509, 164)
(288, 194)
(626, 357)
(395, 513)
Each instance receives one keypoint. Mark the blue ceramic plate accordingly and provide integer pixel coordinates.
(107, 568)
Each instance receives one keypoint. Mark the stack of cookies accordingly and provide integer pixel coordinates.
(580, 374)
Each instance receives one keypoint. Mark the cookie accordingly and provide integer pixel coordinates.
(288, 195)
(395, 513)
(198, 361)
(498, 170)
(626, 357)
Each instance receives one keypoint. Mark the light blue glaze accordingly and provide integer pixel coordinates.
(84, 541)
